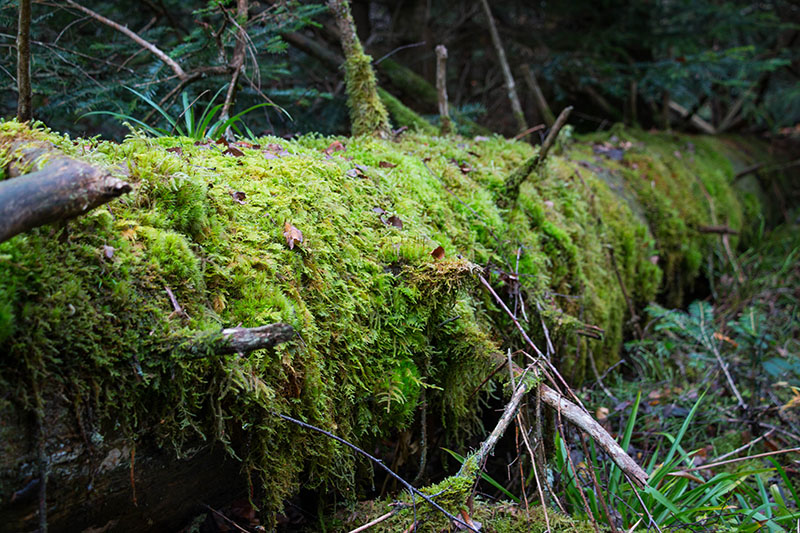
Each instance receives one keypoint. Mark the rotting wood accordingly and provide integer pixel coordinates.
(61, 189)
(516, 178)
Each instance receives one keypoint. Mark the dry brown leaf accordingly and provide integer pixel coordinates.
(438, 253)
(395, 221)
(292, 234)
(175, 150)
(238, 196)
(232, 150)
(386, 164)
(335, 146)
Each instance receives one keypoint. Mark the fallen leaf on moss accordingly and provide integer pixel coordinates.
(292, 234)
(238, 196)
(335, 146)
(232, 150)
(395, 221)
(438, 253)
(386, 164)
(176, 150)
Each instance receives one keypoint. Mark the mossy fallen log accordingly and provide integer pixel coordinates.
(379, 318)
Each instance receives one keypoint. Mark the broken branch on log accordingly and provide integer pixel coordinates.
(241, 340)
(63, 188)
(516, 178)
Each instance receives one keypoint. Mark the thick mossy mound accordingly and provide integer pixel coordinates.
(85, 308)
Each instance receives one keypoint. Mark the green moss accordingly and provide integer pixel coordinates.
(368, 115)
(379, 317)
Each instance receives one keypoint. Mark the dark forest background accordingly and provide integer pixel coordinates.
(691, 65)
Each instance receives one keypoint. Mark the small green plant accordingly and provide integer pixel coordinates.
(204, 126)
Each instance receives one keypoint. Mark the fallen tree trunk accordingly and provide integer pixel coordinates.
(61, 189)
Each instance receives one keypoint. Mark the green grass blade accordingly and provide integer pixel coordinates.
(460, 458)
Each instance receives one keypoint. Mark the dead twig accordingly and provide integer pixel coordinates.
(410, 488)
(375, 522)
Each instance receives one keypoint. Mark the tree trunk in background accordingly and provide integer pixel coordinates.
(501, 56)
(238, 58)
(441, 87)
(538, 97)
(24, 106)
(368, 116)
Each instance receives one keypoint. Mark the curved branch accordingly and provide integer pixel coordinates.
(153, 49)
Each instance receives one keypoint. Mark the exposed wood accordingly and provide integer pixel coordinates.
(538, 96)
(516, 178)
(153, 49)
(696, 121)
(61, 189)
(584, 421)
(246, 340)
(441, 88)
(511, 88)
(24, 90)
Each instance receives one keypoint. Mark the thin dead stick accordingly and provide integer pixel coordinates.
(522, 134)
(584, 421)
(535, 471)
(237, 526)
(571, 466)
(740, 459)
(510, 314)
(177, 309)
(538, 96)
(176, 68)
(487, 446)
(641, 502)
(375, 522)
(600, 495)
(410, 488)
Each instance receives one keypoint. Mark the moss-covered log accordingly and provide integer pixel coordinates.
(87, 322)
(48, 186)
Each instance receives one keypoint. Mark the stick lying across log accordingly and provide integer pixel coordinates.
(60, 189)
(241, 340)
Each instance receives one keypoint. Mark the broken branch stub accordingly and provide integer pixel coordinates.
(516, 178)
(61, 189)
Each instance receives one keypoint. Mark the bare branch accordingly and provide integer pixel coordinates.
(176, 68)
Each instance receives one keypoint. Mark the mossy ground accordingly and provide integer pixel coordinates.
(379, 319)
